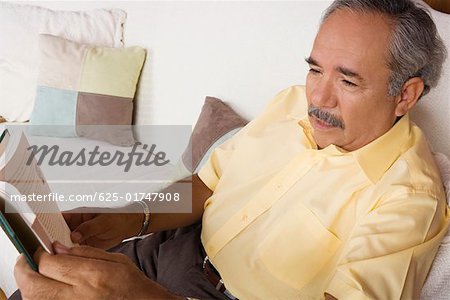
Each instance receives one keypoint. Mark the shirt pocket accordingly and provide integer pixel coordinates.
(297, 247)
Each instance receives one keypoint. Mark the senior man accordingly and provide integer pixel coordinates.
(342, 202)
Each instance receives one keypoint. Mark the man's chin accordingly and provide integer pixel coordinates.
(323, 140)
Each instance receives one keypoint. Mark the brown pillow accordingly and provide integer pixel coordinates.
(217, 122)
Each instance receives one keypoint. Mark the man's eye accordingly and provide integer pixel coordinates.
(349, 83)
(314, 71)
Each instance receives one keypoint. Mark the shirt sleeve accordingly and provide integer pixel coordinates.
(214, 167)
(391, 249)
(282, 103)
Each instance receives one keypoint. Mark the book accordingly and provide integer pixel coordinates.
(28, 224)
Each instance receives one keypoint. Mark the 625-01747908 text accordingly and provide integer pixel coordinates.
(98, 196)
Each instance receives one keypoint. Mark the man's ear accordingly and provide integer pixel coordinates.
(411, 92)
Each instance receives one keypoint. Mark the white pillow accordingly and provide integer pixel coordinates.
(20, 26)
(431, 113)
(437, 284)
(444, 167)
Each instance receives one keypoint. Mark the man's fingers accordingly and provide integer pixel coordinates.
(63, 268)
(22, 270)
(34, 285)
(88, 229)
(77, 265)
(95, 253)
(101, 243)
(77, 216)
(72, 219)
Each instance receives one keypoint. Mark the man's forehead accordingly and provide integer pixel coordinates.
(353, 38)
(355, 20)
(348, 27)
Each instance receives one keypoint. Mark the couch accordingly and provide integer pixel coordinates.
(243, 53)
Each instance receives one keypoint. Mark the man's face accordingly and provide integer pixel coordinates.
(347, 85)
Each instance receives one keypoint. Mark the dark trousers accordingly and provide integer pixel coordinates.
(172, 258)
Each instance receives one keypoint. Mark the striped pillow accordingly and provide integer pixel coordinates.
(81, 85)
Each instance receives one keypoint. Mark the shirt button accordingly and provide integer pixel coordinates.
(279, 185)
(210, 249)
(244, 218)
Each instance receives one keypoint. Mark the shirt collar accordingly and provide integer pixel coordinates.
(376, 157)
(308, 131)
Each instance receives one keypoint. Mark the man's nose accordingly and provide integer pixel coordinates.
(323, 94)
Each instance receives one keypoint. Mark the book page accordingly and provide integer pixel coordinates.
(26, 176)
(56, 227)
(28, 179)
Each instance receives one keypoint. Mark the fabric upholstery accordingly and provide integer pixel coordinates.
(215, 120)
(80, 86)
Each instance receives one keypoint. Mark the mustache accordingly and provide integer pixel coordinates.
(326, 117)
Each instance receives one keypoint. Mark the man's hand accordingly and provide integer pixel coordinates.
(102, 230)
(85, 273)
(110, 228)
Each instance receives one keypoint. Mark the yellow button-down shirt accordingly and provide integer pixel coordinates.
(289, 221)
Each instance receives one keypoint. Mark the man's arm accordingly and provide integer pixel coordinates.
(85, 272)
(106, 230)
(166, 221)
(407, 227)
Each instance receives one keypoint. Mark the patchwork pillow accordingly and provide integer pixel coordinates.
(217, 123)
(20, 26)
(80, 85)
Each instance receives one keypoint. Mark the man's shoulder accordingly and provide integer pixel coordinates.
(290, 101)
(291, 94)
(416, 171)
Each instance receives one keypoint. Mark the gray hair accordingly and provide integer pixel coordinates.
(415, 50)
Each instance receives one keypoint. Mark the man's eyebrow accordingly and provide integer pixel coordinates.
(311, 61)
(343, 70)
(349, 73)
